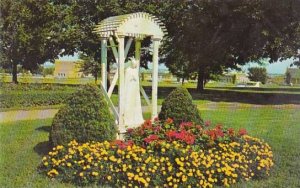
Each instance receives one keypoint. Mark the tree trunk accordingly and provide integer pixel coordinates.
(200, 81)
(182, 81)
(14, 73)
(96, 78)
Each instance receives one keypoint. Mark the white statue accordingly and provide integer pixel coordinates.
(133, 115)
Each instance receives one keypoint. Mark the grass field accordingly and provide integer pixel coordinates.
(23, 143)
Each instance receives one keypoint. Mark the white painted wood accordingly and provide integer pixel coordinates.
(104, 63)
(138, 24)
(110, 104)
(113, 83)
(138, 45)
(114, 49)
(154, 77)
(145, 96)
(121, 86)
(127, 47)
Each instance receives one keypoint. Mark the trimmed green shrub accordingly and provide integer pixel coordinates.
(31, 95)
(179, 106)
(85, 117)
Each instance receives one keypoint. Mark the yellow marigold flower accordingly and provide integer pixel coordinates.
(184, 178)
(109, 177)
(45, 163)
(81, 174)
(201, 182)
(169, 178)
(69, 164)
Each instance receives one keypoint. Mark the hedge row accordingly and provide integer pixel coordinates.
(31, 99)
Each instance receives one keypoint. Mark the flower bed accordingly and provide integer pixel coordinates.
(161, 154)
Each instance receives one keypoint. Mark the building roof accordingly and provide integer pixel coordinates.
(295, 72)
(138, 24)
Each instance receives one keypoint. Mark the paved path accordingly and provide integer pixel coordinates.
(18, 115)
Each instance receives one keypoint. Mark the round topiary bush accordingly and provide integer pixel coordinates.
(85, 117)
(179, 106)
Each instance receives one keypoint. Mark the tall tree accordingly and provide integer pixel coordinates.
(31, 33)
(215, 35)
(90, 66)
(258, 74)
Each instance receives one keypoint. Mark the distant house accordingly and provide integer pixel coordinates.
(240, 78)
(67, 69)
(295, 75)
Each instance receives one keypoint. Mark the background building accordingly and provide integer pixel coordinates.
(67, 69)
(295, 75)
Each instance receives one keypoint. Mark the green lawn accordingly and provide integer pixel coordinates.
(23, 143)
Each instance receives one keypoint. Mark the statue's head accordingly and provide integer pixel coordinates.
(134, 62)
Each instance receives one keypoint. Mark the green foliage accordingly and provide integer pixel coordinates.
(258, 74)
(234, 79)
(229, 33)
(90, 66)
(85, 117)
(32, 95)
(288, 77)
(48, 71)
(32, 32)
(179, 106)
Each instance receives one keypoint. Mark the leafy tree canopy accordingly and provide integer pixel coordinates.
(32, 32)
(258, 74)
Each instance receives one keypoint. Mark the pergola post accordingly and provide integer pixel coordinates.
(104, 62)
(121, 86)
(137, 53)
(154, 77)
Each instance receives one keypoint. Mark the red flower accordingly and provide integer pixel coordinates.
(171, 134)
(207, 123)
(215, 133)
(231, 131)
(169, 121)
(184, 125)
(157, 129)
(129, 130)
(219, 133)
(151, 138)
(121, 144)
(242, 132)
(199, 127)
(183, 135)
(156, 119)
(219, 126)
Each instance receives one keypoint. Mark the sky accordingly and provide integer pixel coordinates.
(274, 68)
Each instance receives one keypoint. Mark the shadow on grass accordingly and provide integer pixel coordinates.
(44, 129)
(42, 148)
(233, 95)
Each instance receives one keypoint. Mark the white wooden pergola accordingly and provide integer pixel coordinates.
(135, 27)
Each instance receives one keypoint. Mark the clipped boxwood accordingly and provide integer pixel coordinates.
(85, 117)
(179, 106)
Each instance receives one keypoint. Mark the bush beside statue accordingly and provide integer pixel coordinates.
(85, 117)
(179, 106)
